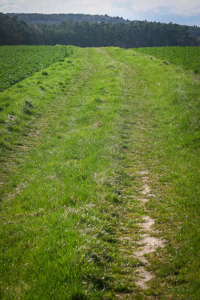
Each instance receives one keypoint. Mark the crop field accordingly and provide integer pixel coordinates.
(186, 57)
(100, 160)
(19, 62)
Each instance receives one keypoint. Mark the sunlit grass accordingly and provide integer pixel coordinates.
(168, 110)
(186, 57)
(56, 206)
(68, 134)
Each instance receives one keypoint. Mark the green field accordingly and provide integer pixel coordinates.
(186, 57)
(19, 62)
(89, 147)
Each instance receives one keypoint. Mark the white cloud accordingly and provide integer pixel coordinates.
(87, 6)
(11, 8)
(4, 1)
(131, 9)
(178, 7)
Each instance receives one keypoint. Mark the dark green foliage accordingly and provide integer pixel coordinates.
(28, 108)
(13, 32)
(134, 34)
(45, 73)
(85, 34)
(59, 18)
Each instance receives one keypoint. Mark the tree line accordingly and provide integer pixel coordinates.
(50, 19)
(84, 34)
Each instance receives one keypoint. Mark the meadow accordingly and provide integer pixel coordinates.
(186, 57)
(75, 139)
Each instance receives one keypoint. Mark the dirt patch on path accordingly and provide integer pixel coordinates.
(148, 243)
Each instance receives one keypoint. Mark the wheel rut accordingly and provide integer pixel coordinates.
(148, 242)
(143, 239)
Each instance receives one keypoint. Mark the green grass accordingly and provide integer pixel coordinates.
(20, 62)
(168, 110)
(186, 57)
(74, 139)
(57, 225)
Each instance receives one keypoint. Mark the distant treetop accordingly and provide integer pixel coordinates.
(50, 19)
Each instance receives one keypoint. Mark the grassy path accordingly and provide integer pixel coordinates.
(165, 142)
(93, 149)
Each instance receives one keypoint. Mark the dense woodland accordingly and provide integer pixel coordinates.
(85, 34)
(49, 19)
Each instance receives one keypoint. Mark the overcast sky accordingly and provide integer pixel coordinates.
(177, 11)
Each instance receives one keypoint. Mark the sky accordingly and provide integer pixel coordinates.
(185, 12)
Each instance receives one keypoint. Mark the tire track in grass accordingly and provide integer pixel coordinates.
(148, 243)
(140, 241)
(145, 240)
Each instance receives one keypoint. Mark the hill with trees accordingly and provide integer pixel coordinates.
(94, 34)
(50, 19)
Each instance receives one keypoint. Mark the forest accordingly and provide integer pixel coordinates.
(50, 19)
(134, 34)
